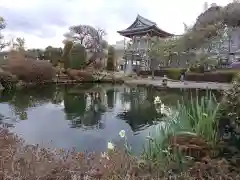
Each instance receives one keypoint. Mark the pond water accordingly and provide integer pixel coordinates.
(86, 117)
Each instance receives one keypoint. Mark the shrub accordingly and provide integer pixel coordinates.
(190, 131)
(111, 59)
(172, 73)
(224, 76)
(230, 110)
(78, 56)
(7, 79)
(80, 75)
(66, 54)
(29, 70)
(197, 69)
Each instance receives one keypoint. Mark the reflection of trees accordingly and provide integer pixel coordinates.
(141, 112)
(21, 100)
(110, 98)
(84, 109)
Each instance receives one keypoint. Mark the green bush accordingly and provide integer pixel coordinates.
(172, 73)
(111, 59)
(78, 56)
(197, 69)
(222, 76)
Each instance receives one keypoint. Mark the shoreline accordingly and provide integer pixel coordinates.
(157, 83)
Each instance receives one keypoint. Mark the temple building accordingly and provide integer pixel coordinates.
(142, 33)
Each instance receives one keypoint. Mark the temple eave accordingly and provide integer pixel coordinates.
(144, 32)
(152, 29)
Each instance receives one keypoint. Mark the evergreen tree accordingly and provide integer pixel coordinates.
(78, 56)
(111, 59)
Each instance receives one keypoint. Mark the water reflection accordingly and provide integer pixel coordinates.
(84, 106)
(84, 110)
(90, 115)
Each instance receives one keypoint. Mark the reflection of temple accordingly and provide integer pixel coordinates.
(141, 33)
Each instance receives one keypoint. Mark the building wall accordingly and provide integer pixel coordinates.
(119, 52)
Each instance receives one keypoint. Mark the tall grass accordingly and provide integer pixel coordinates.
(198, 117)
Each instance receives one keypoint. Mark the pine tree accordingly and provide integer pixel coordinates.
(111, 59)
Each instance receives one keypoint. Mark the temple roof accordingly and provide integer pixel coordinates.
(143, 26)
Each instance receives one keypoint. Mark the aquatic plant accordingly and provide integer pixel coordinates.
(127, 146)
(200, 116)
(186, 134)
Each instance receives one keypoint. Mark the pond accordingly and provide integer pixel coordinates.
(86, 117)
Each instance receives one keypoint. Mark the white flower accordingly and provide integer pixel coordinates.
(157, 100)
(110, 145)
(122, 134)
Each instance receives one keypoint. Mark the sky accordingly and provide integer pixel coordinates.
(43, 22)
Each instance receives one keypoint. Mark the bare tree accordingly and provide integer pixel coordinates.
(3, 44)
(20, 43)
(88, 36)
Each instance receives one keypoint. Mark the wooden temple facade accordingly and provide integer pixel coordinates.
(142, 34)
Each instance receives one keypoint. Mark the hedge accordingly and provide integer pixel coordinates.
(221, 76)
(172, 73)
(224, 76)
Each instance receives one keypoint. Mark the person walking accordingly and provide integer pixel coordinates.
(182, 76)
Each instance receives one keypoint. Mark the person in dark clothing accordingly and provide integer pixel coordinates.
(182, 76)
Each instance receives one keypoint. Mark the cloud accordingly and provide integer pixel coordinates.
(43, 22)
(37, 20)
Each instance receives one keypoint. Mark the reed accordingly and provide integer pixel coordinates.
(195, 120)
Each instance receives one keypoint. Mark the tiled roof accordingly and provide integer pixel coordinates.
(142, 24)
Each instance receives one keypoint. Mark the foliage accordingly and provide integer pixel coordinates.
(231, 103)
(87, 36)
(207, 33)
(215, 76)
(66, 54)
(172, 73)
(20, 43)
(3, 44)
(231, 14)
(40, 53)
(162, 50)
(111, 59)
(7, 79)
(187, 132)
(78, 56)
(52, 54)
(29, 70)
(91, 39)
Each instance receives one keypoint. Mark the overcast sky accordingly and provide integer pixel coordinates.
(43, 22)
